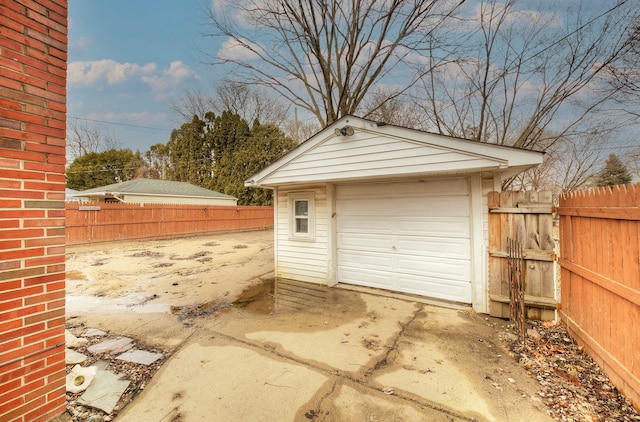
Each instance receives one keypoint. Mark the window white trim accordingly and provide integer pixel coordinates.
(298, 223)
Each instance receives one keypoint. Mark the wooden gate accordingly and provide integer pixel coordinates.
(526, 217)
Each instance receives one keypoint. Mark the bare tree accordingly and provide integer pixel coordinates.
(529, 78)
(525, 70)
(194, 102)
(624, 72)
(632, 161)
(249, 102)
(568, 165)
(84, 137)
(300, 129)
(325, 56)
(383, 106)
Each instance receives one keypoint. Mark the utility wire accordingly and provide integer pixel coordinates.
(120, 124)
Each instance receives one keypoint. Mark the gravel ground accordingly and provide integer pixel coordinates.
(138, 375)
(571, 384)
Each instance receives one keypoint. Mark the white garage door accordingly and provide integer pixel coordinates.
(407, 237)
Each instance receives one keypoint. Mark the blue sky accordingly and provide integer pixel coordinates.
(129, 60)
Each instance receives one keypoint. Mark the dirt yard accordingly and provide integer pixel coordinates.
(186, 277)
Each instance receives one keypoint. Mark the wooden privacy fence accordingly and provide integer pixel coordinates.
(527, 218)
(600, 270)
(103, 222)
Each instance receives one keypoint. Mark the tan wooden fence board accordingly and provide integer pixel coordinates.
(600, 259)
(105, 222)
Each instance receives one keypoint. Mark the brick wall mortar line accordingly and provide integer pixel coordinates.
(30, 355)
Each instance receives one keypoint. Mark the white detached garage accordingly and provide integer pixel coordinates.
(367, 204)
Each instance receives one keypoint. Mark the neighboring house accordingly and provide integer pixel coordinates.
(69, 196)
(151, 191)
(368, 204)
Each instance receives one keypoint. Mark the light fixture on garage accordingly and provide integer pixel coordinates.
(345, 131)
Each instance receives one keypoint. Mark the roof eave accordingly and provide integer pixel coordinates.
(266, 184)
(509, 157)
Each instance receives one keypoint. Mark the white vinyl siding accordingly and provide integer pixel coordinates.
(365, 155)
(410, 237)
(303, 259)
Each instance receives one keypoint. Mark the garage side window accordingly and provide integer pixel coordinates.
(301, 206)
(301, 210)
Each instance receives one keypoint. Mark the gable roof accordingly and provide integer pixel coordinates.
(376, 150)
(154, 187)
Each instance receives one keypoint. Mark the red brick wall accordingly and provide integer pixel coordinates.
(33, 56)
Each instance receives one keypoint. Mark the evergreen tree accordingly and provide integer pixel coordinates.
(188, 152)
(158, 163)
(230, 133)
(103, 168)
(266, 144)
(613, 173)
(220, 153)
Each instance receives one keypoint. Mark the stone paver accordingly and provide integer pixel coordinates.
(94, 332)
(117, 345)
(104, 392)
(139, 356)
(73, 357)
(73, 341)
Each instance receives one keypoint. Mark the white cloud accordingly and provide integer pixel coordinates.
(171, 77)
(81, 44)
(88, 73)
(518, 17)
(235, 50)
(240, 12)
(114, 73)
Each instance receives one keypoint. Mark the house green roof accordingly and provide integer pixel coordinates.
(154, 187)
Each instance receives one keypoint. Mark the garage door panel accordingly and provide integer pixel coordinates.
(423, 246)
(367, 277)
(456, 291)
(359, 225)
(444, 269)
(374, 261)
(430, 226)
(434, 226)
(365, 242)
(405, 207)
(418, 189)
(411, 237)
(433, 247)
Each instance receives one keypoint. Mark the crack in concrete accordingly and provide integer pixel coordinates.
(334, 385)
(387, 359)
(342, 376)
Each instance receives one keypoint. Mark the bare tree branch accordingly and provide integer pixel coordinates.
(84, 137)
(325, 56)
(522, 75)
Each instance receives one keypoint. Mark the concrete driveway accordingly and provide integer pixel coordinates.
(349, 356)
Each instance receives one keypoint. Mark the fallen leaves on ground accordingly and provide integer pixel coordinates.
(572, 385)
